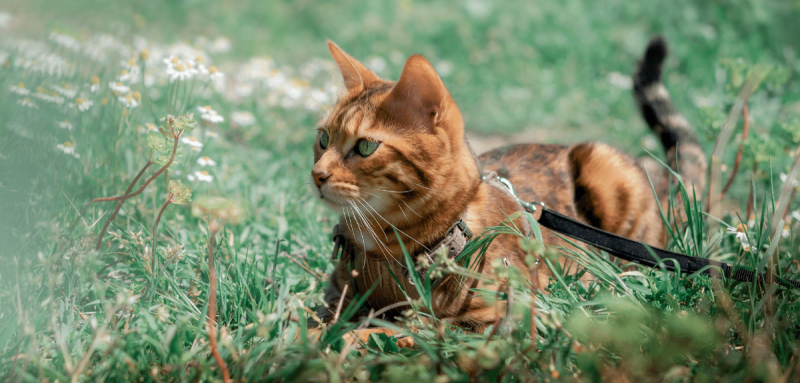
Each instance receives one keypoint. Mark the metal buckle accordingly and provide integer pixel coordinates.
(338, 239)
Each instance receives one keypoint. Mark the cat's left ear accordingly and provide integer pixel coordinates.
(419, 97)
(356, 76)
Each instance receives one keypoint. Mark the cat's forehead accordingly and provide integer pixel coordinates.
(355, 112)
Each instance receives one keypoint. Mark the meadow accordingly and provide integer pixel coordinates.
(155, 161)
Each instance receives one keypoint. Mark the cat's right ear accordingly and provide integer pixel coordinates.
(356, 75)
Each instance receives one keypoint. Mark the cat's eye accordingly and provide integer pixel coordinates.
(323, 140)
(366, 147)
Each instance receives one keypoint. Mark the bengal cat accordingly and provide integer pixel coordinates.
(393, 156)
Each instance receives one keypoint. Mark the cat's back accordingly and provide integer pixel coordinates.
(592, 181)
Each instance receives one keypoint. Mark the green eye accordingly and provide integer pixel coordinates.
(367, 147)
(323, 140)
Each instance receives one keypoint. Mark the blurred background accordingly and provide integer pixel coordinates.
(552, 70)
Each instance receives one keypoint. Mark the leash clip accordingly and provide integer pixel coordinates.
(338, 239)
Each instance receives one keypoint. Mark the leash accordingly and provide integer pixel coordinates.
(631, 250)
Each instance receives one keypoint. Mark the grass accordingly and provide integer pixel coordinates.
(137, 307)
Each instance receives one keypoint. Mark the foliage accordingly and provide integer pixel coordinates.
(91, 102)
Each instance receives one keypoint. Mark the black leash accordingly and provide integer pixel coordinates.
(630, 250)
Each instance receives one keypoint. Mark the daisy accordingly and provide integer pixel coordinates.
(68, 148)
(178, 70)
(83, 104)
(95, 84)
(192, 141)
(206, 161)
(213, 73)
(20, 89)
(740, 231)
(65, 90)
(27, 103)
(65, 125)
(211, 134)
(49, 98)
(119, 87)
(129, 101)
(200, 176)
(210, 115)
(243, 118)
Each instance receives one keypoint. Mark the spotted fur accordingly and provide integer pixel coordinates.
(423, 177)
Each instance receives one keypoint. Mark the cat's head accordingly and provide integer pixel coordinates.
(392, 148)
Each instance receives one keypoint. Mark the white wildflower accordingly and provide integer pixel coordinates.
(131, 76)
(49, 98)
(179, 70)
(119, 87)
(65, 90)
(243, 118)
(192, 141)
(20, 89)
(740, 231)
(200, 176)
(83, 104)
(68, 148)
(210, 115)
(65, 125)
(220, 45)
(26, 102)
(129, 101)
(206, 161)
(211, 134)
(65, 41)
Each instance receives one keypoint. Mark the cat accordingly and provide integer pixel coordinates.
(393, 160)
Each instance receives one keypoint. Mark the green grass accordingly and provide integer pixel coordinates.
(72, 313)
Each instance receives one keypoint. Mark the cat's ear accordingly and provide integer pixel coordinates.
(419, 96)
(356, 75)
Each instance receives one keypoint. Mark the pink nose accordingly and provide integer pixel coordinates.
(319, 177)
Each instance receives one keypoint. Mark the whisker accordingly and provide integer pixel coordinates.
(371, 232)
(400, 231)
(409, 207)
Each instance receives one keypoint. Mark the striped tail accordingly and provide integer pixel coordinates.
(684, 153)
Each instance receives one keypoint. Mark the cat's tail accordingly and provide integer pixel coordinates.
(684, 153)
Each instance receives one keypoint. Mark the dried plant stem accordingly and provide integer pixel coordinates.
(212, 308)
(750, 85)
(128, 190)
(126, 196)
(745, 132)
(339, 306)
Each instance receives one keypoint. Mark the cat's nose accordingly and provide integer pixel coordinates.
(319, 177)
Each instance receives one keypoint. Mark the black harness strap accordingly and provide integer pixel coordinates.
(630, 250)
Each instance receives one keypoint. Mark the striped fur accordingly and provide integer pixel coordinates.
(423, 176)
(678, 138)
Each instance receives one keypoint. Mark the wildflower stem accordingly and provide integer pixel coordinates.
(212, 307)
(128, 190)
(121, 199)
(750, 85)
(738, 161)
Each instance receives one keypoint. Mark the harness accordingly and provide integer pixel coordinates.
(457, 237)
